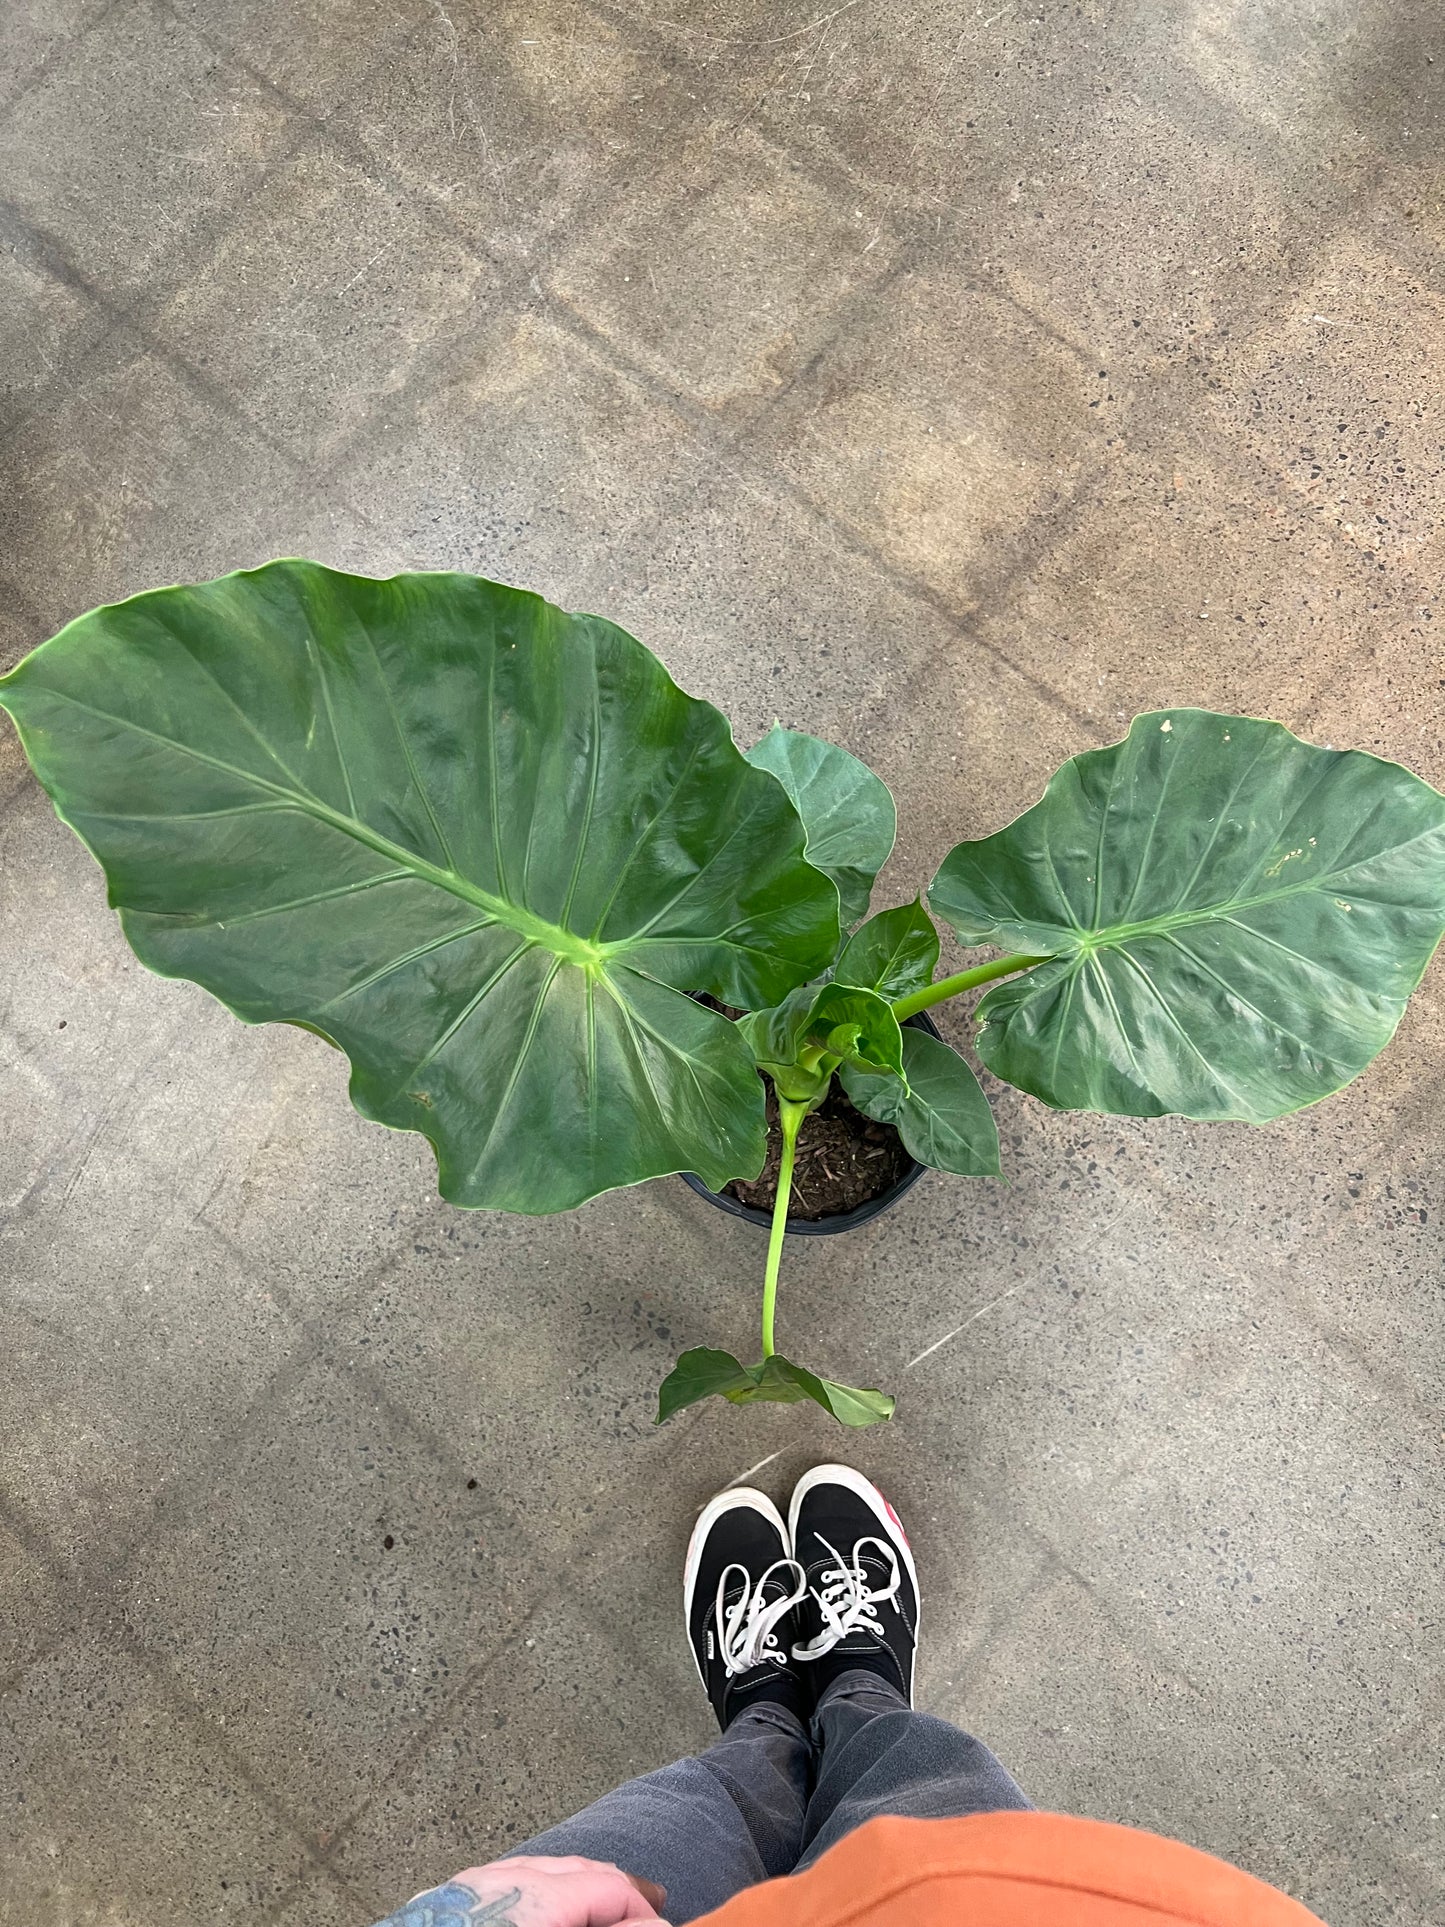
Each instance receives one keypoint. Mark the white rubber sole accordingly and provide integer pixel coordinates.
(725, 1502)
(888, 1520)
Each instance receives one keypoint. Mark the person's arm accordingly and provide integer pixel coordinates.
(534, 1892)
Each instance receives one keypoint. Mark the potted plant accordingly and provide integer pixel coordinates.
(563, 927)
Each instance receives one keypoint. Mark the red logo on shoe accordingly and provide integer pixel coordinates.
(896, 1520)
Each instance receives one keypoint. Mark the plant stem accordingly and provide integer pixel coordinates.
(965, 980)
(790, 1118)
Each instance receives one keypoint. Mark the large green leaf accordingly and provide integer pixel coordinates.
(484, 846)
(1235, 919)
(940, 1112)
(856, 1025)
(704, 1373)
(893, 953)
(847, 811)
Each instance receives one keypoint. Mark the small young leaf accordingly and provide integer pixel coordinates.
(893, 953)
(847, 1403)
(703, 1373)
(940, 1113)
(847, 811)
(857, 1025)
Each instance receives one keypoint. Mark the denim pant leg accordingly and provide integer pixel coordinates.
(707, 1827)
(878, 1756)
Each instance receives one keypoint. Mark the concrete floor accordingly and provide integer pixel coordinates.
(949, 380)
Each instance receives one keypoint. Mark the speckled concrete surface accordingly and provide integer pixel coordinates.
(953, 381)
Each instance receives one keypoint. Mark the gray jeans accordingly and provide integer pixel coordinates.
(772, 1795)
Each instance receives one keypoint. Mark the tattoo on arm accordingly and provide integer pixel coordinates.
(455, 1906)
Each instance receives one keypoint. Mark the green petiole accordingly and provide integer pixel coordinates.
(965, 980)
(814, 1069)
(790, 1118)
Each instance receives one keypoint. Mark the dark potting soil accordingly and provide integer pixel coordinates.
(843, 1159)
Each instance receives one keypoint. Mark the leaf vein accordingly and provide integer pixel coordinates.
(595, 766)
(410, 956)
(405, 745)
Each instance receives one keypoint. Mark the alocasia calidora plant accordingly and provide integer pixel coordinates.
(494, 854)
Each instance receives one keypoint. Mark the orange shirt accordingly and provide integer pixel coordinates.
(1011, 1870)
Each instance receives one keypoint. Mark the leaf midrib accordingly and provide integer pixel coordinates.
(565, 944)
(1083, 942)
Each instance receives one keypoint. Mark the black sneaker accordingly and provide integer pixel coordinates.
(739, 1592)
(862, 1605)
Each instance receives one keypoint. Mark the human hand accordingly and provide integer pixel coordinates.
(534, 1891)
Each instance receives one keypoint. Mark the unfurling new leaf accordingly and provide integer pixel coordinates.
(857, 1026)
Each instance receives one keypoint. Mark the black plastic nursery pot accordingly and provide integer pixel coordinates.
(829, 1226)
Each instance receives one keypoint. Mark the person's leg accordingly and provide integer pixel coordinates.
(877, 1755)
(706, 1827)
(703, 1828)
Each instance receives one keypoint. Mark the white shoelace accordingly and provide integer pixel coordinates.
(748, 1629)
(846, 1600)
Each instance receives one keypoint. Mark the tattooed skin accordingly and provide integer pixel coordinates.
(455, 1906)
